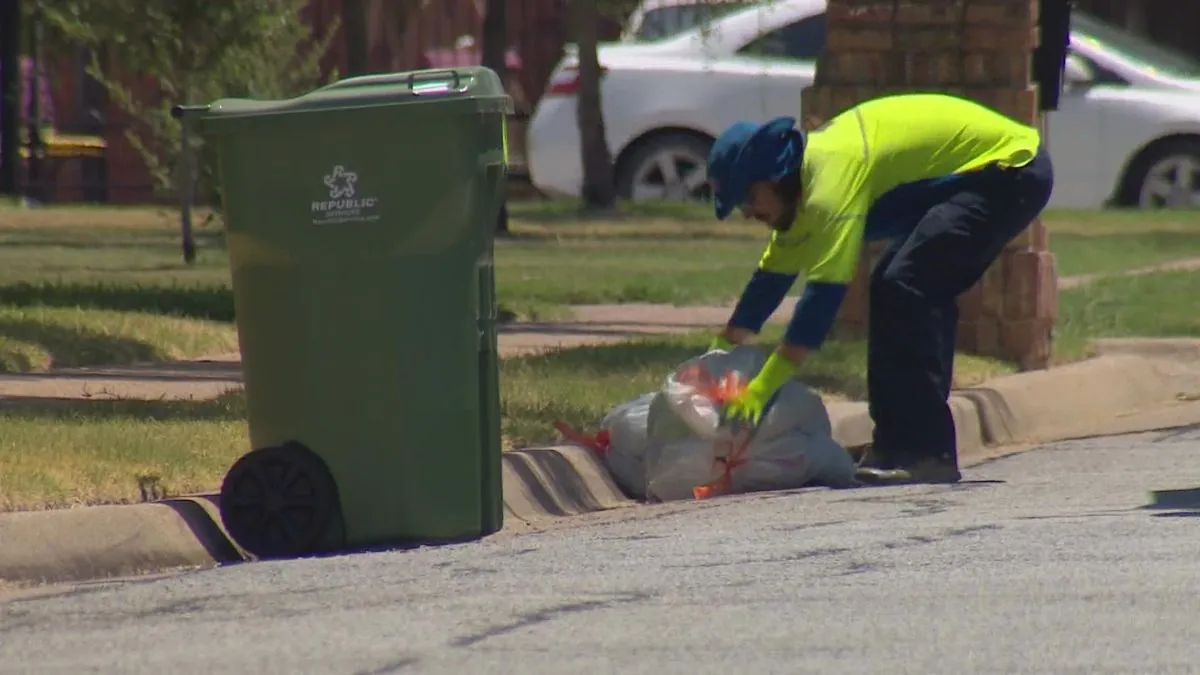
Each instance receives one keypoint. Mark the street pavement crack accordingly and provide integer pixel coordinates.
(546, 615)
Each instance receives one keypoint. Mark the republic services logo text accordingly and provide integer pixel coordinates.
(345, 204)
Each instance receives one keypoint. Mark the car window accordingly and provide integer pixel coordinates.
(1100, 74)
(1154, 57)
(664, 22)
(802, 40)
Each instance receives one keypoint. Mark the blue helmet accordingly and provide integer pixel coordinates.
(747, 153)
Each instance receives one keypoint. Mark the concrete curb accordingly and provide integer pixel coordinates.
(544, 485)
(1043, 406)
(107, 541)
(540, 485)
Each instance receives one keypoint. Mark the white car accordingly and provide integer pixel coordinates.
(1127, 131)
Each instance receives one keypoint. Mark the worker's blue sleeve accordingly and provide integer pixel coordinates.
(760, 298)
(814, 314)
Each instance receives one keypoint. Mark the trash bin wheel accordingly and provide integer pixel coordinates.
(278, 502)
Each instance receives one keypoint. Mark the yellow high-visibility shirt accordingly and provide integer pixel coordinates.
(871, 149)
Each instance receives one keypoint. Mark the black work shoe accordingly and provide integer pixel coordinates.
(867, 458)
(863, 455)
(925, 471)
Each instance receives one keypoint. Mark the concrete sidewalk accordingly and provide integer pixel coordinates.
(213, 376)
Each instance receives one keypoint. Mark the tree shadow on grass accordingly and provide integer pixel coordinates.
(214, 303)
(229, 407)
(141, 244)
(74, 346)
(211, 303)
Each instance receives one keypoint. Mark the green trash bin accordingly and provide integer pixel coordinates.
(359, 222)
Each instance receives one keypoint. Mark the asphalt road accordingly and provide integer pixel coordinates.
(1080, 558)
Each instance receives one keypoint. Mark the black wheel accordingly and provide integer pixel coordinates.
(667, 167)
(279, 502)
(1165, 176)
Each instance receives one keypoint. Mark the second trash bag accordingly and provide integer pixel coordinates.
(670, 444)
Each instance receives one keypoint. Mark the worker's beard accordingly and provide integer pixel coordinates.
(784, 222)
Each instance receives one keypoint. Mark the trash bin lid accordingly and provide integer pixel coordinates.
(476, 86)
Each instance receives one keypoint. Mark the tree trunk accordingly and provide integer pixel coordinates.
(495, 38)
(598, 189)
(388, 22)
(10, 98)
(358, 43)
(186, 183)
(495, 52)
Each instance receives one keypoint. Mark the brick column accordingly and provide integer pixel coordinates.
(978, 49)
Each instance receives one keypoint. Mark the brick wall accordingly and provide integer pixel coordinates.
(979, 49)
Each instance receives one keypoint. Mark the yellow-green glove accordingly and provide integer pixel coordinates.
(750, 405)
(719, 342)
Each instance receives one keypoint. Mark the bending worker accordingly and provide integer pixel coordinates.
(947, 181)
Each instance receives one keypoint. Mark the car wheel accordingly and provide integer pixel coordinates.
(670, 167)
(1170, 177)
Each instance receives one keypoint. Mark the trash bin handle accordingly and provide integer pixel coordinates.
(413, 78)
(180, 111)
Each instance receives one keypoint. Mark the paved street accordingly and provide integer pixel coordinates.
(1078, 558)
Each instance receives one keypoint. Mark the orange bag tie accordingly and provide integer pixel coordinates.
(720, 390)
(738, 449)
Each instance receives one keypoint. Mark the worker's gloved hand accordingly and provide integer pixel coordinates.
(719, 342)
(750, 406)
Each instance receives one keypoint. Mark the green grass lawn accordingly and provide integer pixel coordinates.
(130, 261)
(38, 338)
(681, 255)
(1084, 254)
(1165, 304)
(112, 451)
(1109, 242)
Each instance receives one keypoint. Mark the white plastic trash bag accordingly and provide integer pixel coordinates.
(792, 446)
(796, 408)
(830, 463)
(670, 445)
(680, 466)
(685, 387)
(792, 461)
(625, 455)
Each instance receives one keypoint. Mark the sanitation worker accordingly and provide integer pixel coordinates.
(947, 182)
